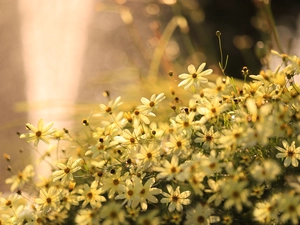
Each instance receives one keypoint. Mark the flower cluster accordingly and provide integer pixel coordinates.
(227, 156)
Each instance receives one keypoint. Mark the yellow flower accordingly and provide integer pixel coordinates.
(175, 198)
(20, 179)
(290, 153)
(49, 200)
(39, 133)
(66, 171)
(194, 77)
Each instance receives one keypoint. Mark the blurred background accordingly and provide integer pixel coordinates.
(58, 57)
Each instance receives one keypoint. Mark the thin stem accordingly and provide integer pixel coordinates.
(270, 16)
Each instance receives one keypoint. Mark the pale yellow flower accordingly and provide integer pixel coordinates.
(39, 133)
(49, 199)
(194, 77)
(176, 198)
(66, 171)
(289, 152)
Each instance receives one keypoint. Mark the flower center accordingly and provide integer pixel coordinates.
(38, 133)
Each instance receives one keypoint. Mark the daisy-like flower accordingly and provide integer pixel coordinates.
(199, 215)
(290, 208)
(169, 169)
(20, 179)
(194, 77)
(91, 194)
(148, 154)
(268, 171)
(9, 202)
(130, 192)
(267, 211)
(147, 193)
(110, 107)
(113, 183)
(236, 194)
(178, 143)
(175, 198)
(289, 152)
(151, 104)
(209, 138)
(151, 218)
(49, 199)
(216, 190)
(87, 216)
(66, 171)
(112, 214)
(39, 133)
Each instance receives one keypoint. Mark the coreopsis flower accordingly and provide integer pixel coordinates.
(211, 108)
(127, 138)
(49, 199)
(215, 188)
(176, 199)
(91, 195)
(178, 144)
(110, 107)
(141, 117)
(39, 133)
(267, 211)
(9, 202)
(148, 155)
(151, 218)
(183, 123)
(112, 214)
(289, 206)
(194, 77)
(151, 104)
(66, 171)
(101, 147)
(209, 138)
(87, 216)
(217, 88)
(113, 183)
(69, 198)
(268, 171)
(169, 170)
(289, 152)
(199, 215)
(130, 192)
(20, 179)
(147, 193)
(236, 194)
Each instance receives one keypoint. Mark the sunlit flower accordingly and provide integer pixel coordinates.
(147, 193)
(268, 171)
(20, 179)
(39, 133)
(66, 171)
(150, 218)
(169, 169)
(49, 199)
(91, 195)
(112, 214)
(110, 107)
(194, 77)
(289, 152)
(209, 138)
(236, 194)
(152, 104)
(176, 198)
(148, 155)
(289, 205)
(199, 215)
(130, 192)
